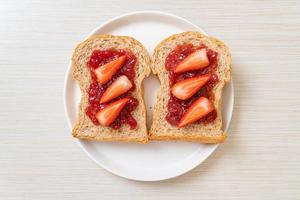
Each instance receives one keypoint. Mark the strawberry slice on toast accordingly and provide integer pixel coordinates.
(194, 61)
(108, 115)
(105, 72)
(198, 109)
(120, 86)
(187, 88)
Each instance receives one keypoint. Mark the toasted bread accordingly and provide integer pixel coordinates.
(206, 133)
(84, 127)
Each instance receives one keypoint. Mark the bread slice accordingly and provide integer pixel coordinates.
(84, 128)
(206, 133)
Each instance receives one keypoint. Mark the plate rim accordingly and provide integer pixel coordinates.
(184, 170)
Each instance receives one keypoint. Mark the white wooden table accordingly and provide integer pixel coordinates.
(260, 159)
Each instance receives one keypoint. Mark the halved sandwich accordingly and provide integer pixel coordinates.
(110, 71)
(193, 69)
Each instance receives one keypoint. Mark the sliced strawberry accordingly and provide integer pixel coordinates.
(198, 109)
(117, 88)
(185, 89)
(108, 115)
(194, 61)
(105, 72)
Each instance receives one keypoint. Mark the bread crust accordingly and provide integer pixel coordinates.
(206, 133)
(84, 128)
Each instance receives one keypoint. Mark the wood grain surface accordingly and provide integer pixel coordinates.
(40, 160)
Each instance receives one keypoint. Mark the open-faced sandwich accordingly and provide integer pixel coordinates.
(110, 72)
(193, 69)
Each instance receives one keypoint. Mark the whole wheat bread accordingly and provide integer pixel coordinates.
(84, 128)
(207, 133)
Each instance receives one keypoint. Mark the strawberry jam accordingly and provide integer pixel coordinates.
(177, 107)
(96, 90)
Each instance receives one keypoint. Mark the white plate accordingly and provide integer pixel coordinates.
(156, 160)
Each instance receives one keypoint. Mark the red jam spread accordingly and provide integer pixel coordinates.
(96, 90)
(177, 107)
